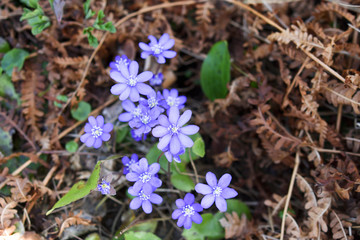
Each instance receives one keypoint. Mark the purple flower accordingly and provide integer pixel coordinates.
(143, 175)
(216, 191)
(96, 132)
(187, 211)
(138, 137)
(146, 120)
(130, 84)
(144, 198)
(157, 79)
(171, 157)
(104, 186)
(171, 132)
(133, 111)
(158, 49)
(129, 163)
(119, 61)
(152, 101)
(171, 99)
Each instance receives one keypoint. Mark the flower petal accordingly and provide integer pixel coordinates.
(211, 179)
(176, 214)
(133, 68)
(117, 77)
(155, 198)
(174, 145)
(132, 176)
(84, 137)
(189, 129)
(173, 115)
(146, 206)
(185, 140)
(196, 218)
(143, 88)
(125, 160)
(124, 70)
(152, 39)
(145, 55)
(156, 182)
(163, 121)
(92, 121)
(117, 89)
(164, 38)
(100, 121)
(143, 164)
(169, 44)
(221, 204)
(125, 117)
(105, 137)
(90, 141)
(154, 168)
(134, 94)
(187, 223)
(228, 193)
(135, 203)
(169, 54)
(97, 143)
(125, 94)
(160, 59)
(159, 131)
(225, 180)
(180, 203)
(184, 118)
(197, 207)
(203, 189)
(108, 127)
(164, 142)
(189, 199)
(181, 220)
(128, 105)
(88, 128)
(207, 201)
(144, 76)
(144, 46)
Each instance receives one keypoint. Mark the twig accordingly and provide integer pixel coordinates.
(338, 119)
(342, 227)
(292, 181)
(193, 166)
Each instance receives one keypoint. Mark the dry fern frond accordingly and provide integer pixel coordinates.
(293, 229)
(67, 61)
(325, 8)
(20, 189)
(316, 217)
(234, 226)
(297, 35)
(305, 187)
(202, 12)
(7, 212)
(277, 204)
(337, 226)
(71, 220)
(337, 93)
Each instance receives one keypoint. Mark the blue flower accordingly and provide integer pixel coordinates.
(119, 61)
(105, 187)
(144, 175)
(169, 156)
(138, 137)
(144, 198)
(171, 132)
(216, 191)
(130, 84)
(152, 101)
(157, 79)
(158, 49)
(187, 211)
(129, 163)
(172, 99)
(133, 111)
(96, 132)
(146, 120)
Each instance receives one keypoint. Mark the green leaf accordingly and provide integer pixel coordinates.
(4, 45)
(182, 182)
(210, 228)
(71, 146)
(61, 98)
(13, 58)
(7, 88)
(92, 40)
(153, 155)
(28, 14)
(79, 190)
(121, 134)
(30, 3)
(199, 147)
(140, 236)
(93, 236)
(234, 205)
(215, 71)
(6, 143)
(185, 157)
(87, 11)
(109, 26)
(82, 111)
(99, 20)
(148, 226)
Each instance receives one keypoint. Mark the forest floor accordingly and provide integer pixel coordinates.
(287, 127)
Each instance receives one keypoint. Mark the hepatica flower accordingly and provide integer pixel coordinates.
(216, 191)
(105, 187)
(129, 163)
(187, 211)
(159, 49)
(144, 198)
(157, 79)
(153, 101)
(172, 99)
(138, 137)
(130, 84)
(119, 61)
(96, 132)
(172, 133)
(144, 175)
(132, 111)
(146, 121)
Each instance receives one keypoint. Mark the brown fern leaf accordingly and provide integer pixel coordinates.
(327, 7)
(272, 130)
(71, 220)
(20, 190)
(297, 35)
(67, 61)
(234, 226)
(292, 229)
(337, 93)
(7, 212)
(316, 217)
(276, 204)
(202, 12)
(305, 187)
(352, 141)
(31, 86)
(339, 228)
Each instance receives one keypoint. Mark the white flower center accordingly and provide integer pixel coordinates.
(96, 132)
(145, 177)
(157, 49)
(130, 164)
(143, 196)
(217, 191)
(132, 81)
(136, 112)
(152, 102)
(188, 210)
(173, 128)
(121, 61)
(171, 101)
(145, 119)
